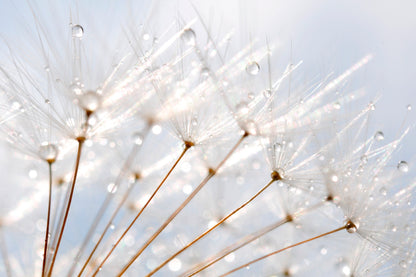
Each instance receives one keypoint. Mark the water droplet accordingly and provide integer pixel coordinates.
(112, 188)
(252, 68)
(16, 105)
(194, 121)
(47, 101)
(403, 166)
(383, 191)
(242, 108)
(379, 136)
(251, 127)
(403, 263)
(89, 101)
(351, 227)
(324, 251)
(277, 147)
(364, 159)
(137, 138)
(334, 178)
(48, 152)
(189, 37)
(112, 226)
(205, 72)
(77, 31)
(371, 106)
(337, 105)
(267, 93)
(409, 107)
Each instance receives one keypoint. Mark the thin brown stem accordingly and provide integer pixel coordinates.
(187, 147)
(246, 240)
(5, 254)
(211, 174)
(104, 206)
(110, 222)
(283, 249)
(45, 250)
(74, 179)
(211, 229)
(234, 247)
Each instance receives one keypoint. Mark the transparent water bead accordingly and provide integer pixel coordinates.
(89, 101)
(137, 138)
(48, 152)
(267, 93)
(403, 166)
(252, 68)
(351, 227)
(77, 31)
(379, 136)
(189, 37)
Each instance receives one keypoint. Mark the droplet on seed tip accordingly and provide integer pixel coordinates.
(77, 31)
(89, 101)
(48, 152)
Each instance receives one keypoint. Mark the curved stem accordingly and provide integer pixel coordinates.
(103, 208)
(210, 229)
(110, 222)
(45, 250)
(74, 179)
(246, 240)
(187, 147)
(211, 174)
(283, 249)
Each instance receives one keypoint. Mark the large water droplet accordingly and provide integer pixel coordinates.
(89, 101)
(48, 152)
(77, 31)
(403, 166)
(189, 37)
(351, 227)
(379, 136)
(252, 68)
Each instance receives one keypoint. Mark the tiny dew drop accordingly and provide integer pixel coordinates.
(337, 105)
(77, 31)
(194, 121)
(403, 166)
(189, 37)
(242, 108)
(379, 136)
(252, 68)
(137, 138)
(267, 93)
(409, 107)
